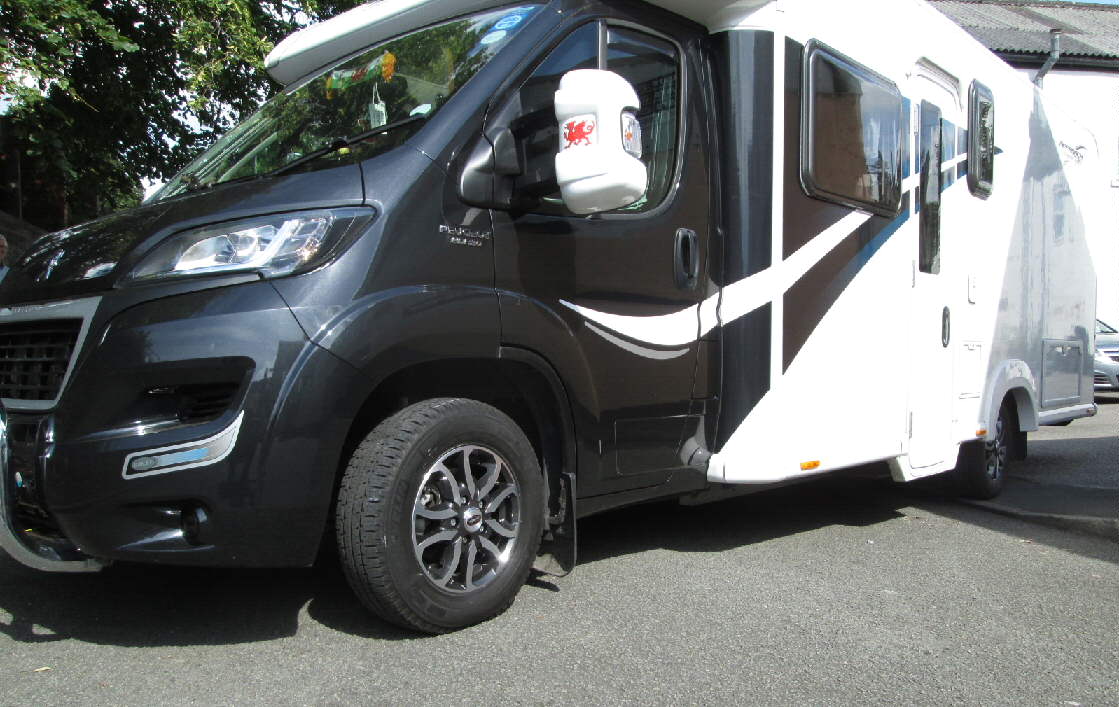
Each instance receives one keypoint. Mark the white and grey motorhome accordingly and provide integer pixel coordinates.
(482, 269)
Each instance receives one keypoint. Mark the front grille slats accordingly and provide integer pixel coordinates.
(34, 357)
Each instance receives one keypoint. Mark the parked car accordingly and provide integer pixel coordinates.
(1107, 357)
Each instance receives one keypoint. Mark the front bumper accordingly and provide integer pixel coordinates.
(53, 554)
(126, 466)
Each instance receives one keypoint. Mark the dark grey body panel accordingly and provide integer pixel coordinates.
(430, 293)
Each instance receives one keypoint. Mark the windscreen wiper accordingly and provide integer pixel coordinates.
(343, 142)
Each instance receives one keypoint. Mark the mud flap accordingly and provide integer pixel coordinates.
(557, 549)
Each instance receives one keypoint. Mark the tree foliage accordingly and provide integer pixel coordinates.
(107, 92)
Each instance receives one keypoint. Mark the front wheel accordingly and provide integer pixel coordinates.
(440, 514)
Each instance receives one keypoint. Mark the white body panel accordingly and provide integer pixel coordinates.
(1093, 97)
(1016, 276)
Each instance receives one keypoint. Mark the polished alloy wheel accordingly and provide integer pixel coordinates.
(466, 518)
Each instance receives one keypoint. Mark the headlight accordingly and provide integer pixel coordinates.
(273, 246)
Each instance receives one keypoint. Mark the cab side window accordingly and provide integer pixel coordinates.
(649, 63)
(652, 68)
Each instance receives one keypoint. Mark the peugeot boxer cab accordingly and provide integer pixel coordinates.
(233, 369)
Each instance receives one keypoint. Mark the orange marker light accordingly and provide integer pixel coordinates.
(809, 466)
(981, 433)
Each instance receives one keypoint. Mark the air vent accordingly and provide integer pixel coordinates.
(206, 401)
(34, 357)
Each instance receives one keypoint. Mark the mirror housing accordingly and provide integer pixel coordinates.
(598, 165)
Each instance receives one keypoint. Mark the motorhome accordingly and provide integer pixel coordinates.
(482, 269)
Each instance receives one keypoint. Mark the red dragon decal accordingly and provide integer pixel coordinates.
(578, 132)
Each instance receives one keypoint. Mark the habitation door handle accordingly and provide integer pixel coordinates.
(945, 327)
(687, 258)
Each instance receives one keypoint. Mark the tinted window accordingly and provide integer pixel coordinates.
(650, 65)
(395, 85)
(928, 156)
(981, 140)
(535, 126)
(851, 133)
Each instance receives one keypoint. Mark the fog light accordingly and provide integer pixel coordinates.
(195, 523)
(188, 455)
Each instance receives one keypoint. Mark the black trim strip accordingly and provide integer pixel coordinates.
(743, 69)
(810, 298)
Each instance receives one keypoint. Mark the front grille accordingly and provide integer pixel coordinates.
(34, 357)
(1101, 380)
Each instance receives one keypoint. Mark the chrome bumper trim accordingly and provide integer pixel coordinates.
(23, 548)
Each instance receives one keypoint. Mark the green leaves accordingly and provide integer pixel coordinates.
(105, 93)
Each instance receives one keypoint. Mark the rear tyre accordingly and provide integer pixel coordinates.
(981, 469)
(439, 515)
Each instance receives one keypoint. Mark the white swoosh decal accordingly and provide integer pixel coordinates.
(685, 326)
(655, 354)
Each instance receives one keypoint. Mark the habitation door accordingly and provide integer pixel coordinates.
(930, 324)
(612, 300)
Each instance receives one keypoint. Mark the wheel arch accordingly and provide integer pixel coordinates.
(1012, 381)
(518, 382)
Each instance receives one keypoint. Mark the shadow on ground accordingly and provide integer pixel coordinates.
(131, 605)
(136, 605)
(862, 500)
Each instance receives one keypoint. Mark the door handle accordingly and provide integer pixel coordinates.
(687, 258)
(945, 327)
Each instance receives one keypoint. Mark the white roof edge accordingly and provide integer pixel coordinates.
(323, 43)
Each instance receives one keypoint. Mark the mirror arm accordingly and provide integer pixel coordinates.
(486, 179)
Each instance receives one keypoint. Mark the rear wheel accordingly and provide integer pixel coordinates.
(981, 470)
(439, 515)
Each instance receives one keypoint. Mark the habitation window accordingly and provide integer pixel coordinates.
(981, 140)
(851, 133)
(929, 162)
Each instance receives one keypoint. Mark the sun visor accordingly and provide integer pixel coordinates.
(323, 43)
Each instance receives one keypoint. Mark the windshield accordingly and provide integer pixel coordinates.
(361, 107)
(1102, 328)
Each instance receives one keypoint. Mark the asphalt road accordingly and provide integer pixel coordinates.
(839, 591)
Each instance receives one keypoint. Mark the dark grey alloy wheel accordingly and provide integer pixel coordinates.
(981, 467)
(439, 515)
(996, 451)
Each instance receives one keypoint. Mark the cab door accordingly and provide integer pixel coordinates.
(612, 300)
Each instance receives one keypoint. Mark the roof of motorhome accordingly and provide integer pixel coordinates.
(322, 43)
(1018, 30)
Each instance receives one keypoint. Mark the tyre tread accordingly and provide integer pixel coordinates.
(361, 523)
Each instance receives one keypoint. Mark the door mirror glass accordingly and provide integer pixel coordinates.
(598, 164)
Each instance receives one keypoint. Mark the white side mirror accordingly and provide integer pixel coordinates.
(598, 166)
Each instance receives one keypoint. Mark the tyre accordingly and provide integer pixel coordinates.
(982, 467)
(440, 514)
